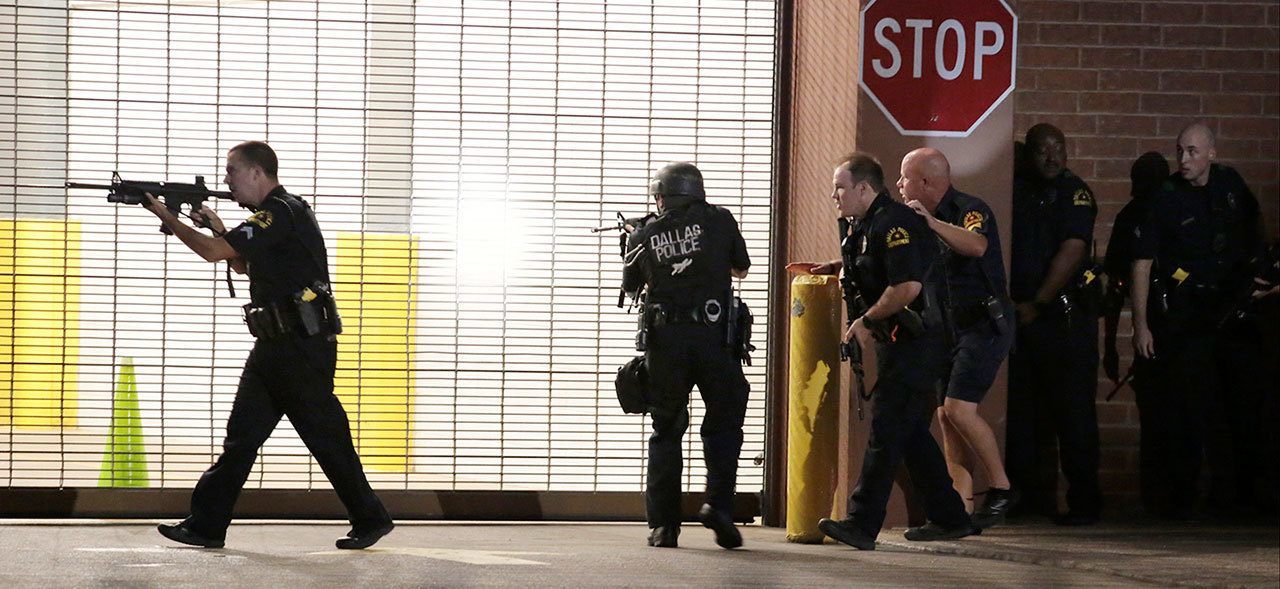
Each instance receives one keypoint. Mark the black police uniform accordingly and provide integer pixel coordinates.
(685, 256)
(1203, 242)
(892, 245)
(289, 374)
(1145, 380)
(1053, 369)
(1124, 239)
(979, 312)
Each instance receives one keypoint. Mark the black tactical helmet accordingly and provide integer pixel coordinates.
(678, 183)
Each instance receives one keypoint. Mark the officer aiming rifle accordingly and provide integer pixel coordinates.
(179, 198)
(625, 227)
(290, 371)
(684, 260)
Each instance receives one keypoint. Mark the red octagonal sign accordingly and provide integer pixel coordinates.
(937, 68)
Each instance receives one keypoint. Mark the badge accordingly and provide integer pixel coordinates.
(896, 237)
(261, 218)
(1082, 197)
(973, 221)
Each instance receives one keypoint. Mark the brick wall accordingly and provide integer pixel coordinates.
(1121, 78)
(824, 121)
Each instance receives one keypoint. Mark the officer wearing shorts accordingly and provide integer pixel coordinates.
(979, 320)
(687, 257)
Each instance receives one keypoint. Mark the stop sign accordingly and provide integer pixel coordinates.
(937, 68)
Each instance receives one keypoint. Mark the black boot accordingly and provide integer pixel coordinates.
(995, 507)
(664, 536)
(727, 535)
(847, 532)
(930, 532)
(179, 532)
(358, 540)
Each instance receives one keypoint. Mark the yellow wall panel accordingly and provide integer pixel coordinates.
(375, 279)
(39, 309)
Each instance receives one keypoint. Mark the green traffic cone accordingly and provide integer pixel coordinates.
(124, 462)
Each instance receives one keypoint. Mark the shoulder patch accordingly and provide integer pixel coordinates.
(1082, 197)
(897, 236)
(261, 218)
(973, 220)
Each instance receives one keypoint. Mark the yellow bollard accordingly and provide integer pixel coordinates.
(814, 404)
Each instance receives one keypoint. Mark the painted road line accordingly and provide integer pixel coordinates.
(481, 557)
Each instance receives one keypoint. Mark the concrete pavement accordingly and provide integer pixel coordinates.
(129, 553)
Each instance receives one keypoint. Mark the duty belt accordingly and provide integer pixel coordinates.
(275, 320)
(708, 313)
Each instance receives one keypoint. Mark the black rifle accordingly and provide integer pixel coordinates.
(1128, 376)
(625, 227)
(855, 307)
(173, 194)
(1266, 274)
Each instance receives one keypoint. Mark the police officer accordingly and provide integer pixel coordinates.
(887, 255)
(1053, 369)
(687, 257)
(1146, 175)
(1193, 265)
(979, 321)
(290, 369)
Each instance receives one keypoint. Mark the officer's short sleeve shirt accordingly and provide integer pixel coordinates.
(969, 277)
(899, 242)
(282, 246)
(1206, 231)
(1046, 213)
(1078, 208)
(1124, 238)
(262, 231)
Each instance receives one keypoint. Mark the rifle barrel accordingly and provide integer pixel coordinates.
(88, 186)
